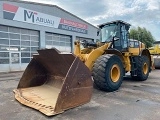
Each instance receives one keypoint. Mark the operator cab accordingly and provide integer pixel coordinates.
(115, 32)
(156, 43)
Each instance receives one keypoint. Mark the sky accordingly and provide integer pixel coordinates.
(143, 13)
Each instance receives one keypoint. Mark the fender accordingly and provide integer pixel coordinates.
(146, 53)
(116, 52)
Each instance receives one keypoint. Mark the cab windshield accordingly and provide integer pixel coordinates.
(107, 33)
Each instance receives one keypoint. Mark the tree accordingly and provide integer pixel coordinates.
(143, 35)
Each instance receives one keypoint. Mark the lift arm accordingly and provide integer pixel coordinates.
(91, 54)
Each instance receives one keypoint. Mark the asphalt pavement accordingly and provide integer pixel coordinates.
(135, 100)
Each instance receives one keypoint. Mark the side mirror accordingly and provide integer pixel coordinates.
(115, 38)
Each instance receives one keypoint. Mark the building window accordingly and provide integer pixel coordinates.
(61, 42)
(19, 40)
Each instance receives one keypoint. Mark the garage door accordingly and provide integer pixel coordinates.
(17, 47)
(61, 42)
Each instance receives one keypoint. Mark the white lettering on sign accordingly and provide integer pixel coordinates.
(36, 18)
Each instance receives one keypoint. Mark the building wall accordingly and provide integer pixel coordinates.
(55, 11)
(50, 10)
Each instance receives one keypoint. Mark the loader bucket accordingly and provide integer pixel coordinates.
(156, 61)
(54, 82)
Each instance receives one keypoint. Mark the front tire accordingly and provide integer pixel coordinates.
(108, 72)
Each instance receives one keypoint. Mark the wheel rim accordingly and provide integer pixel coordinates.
(115, 73)
(145, 68)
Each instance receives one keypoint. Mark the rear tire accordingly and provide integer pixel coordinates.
(108, 72)
(142, 68)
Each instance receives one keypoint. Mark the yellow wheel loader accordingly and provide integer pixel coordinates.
(54, 81)
(114, 56)
(155, 51)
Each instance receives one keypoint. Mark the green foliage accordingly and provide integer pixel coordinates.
(143, 35)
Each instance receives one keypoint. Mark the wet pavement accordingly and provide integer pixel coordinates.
(133, 101)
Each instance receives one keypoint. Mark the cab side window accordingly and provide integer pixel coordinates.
(124, 36)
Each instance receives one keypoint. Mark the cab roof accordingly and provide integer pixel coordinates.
(156, 42)
(113, 22)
